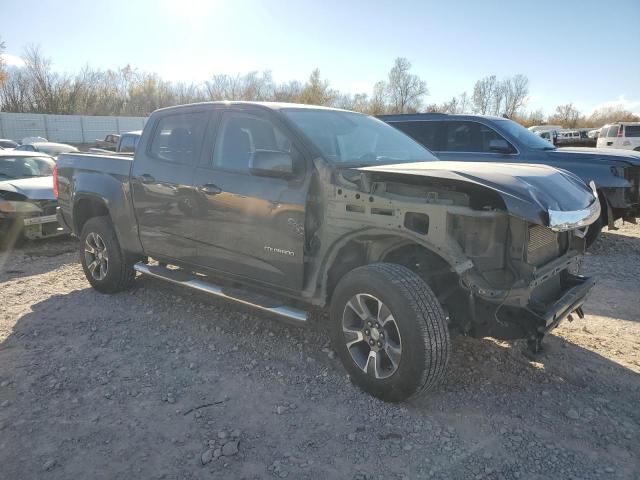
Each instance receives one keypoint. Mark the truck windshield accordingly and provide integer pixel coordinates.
(354, 139)
(525, 136)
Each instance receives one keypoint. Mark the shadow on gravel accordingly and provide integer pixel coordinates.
(613, 261)
(98, 387)
(615, 241)
(16, 263)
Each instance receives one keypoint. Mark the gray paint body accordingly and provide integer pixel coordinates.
(288, 234)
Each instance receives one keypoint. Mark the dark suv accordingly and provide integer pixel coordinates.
(478, 138)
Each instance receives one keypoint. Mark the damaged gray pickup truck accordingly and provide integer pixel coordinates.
(287, 208)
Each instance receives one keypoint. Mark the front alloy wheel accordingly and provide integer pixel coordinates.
(389, 331)
(372, 335)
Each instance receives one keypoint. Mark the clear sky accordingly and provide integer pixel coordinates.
(586, 52)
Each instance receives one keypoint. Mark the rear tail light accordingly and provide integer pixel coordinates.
(55, 181)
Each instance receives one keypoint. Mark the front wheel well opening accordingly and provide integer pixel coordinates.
(427, 264)
(85, 209)
(430, 266)
(352, 255)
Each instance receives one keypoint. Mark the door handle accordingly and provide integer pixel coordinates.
(146, 178)
(609, 143)
(209, 189)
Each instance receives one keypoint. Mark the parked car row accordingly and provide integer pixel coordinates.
(37, 144)
(27, 201)
(125, 143)
(617, 135)
(621, 135)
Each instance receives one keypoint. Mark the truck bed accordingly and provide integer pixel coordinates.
(118, 165)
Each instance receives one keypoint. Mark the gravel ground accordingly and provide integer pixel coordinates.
(159, 382)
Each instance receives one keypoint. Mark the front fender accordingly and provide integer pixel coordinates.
(604, 176)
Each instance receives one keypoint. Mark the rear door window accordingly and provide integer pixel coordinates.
(424, 132)
(632, 131)
(469, 137)
(178, 138)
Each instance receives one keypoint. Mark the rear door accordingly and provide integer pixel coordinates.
(162, 179)
(251, 226)
(631, 138)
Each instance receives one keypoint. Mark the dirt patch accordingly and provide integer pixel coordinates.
(159, 382)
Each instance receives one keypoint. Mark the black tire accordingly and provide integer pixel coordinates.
(118, 274)
(593, 232)
(420, 322)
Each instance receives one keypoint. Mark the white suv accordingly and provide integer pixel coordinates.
(624, 135)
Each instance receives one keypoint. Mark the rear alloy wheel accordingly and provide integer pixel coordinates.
(103, 261)
(96, 256)
(390, 331)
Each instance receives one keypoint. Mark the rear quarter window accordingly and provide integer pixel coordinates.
(424, 132)
(632, 131)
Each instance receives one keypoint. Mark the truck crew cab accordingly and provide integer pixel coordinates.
(290, 207)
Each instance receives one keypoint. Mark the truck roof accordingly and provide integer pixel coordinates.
(269, 105)
(434, 116)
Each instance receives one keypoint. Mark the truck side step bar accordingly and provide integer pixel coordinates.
(259, 302)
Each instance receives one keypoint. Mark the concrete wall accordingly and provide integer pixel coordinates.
(65, 128)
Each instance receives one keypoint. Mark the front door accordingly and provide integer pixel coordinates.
(162, 180)
(251, 225)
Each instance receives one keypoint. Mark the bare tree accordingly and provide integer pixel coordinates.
(405, 90)
(378, 101)
(316, 91)
(464, 103)
(15, 92)
(516, 91)
(613, 113)
(566, 115)
(535, 118)
(3, 72)
(483, 94)
(498, 98)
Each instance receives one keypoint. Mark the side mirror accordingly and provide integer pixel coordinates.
(271, 163)
(499, 145)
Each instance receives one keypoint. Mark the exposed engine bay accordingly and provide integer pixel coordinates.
(493, 257)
